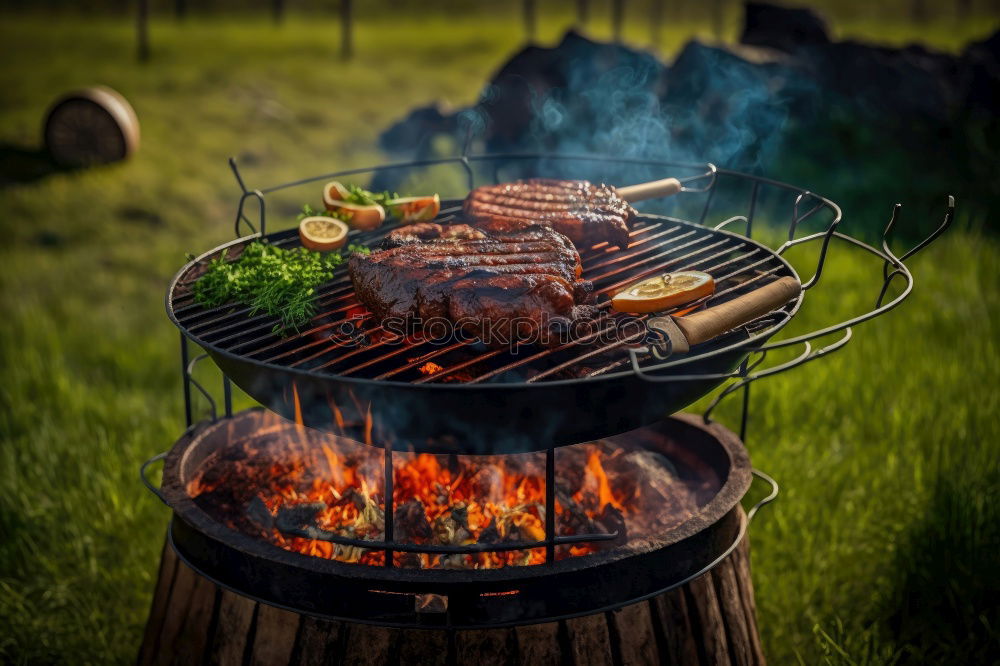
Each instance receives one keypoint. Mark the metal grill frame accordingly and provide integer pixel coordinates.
(806, 205)
(713, 246)
(707, 174)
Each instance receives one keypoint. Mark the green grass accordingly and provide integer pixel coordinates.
(879, 548)
(886, 456)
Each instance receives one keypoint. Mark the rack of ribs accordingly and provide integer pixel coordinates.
(586, 213)
(503, 287)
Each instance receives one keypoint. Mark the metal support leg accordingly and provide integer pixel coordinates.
(227, 391)
(388, 504)
(186, 379)
(745, 416)
(550, 506)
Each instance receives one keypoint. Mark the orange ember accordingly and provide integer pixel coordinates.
(289, 485)
(430, 368)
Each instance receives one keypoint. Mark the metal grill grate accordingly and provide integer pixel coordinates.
(345, 340)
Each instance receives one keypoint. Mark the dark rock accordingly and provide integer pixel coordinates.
(572, 93)
(979, 77)
(414, 132)
(784, 28)
(886, 86)
(988, 49)
(724, 109)
(863, 122)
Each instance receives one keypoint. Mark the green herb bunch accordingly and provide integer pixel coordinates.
(363, 197)
(270, 280)
(309, 211)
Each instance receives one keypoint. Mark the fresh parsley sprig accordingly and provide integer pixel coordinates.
(363, 197)
(271, 280)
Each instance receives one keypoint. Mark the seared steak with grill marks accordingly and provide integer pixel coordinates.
(522, 285)
(588, 214)
(414, 233)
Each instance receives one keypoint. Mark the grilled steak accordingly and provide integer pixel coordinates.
(586, 213)
(414, 233)
(510, 286)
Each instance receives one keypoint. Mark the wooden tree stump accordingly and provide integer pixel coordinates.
(91, 126)
(711, 620)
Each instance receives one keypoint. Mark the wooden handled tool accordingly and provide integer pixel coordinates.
(651, 190)
(703, 325)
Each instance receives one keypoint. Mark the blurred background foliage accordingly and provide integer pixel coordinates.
(836, 9)
(882, 548)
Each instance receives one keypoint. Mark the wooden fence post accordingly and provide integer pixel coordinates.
(655, 21)
(346, 29)
(617, 19)
(582, 13)
(718, 18)
(142, 30)
(528, 8)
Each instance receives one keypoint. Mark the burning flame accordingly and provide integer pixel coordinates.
(289, 485)
(298, 405)
(604, 494)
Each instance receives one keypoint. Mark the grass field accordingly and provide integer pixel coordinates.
(881, 549)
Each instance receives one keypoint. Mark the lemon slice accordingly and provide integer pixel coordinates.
(663, 291)
(322, 233)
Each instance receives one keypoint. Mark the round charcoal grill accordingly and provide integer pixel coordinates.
(344, 373)
(392, 595)
(487, 401)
